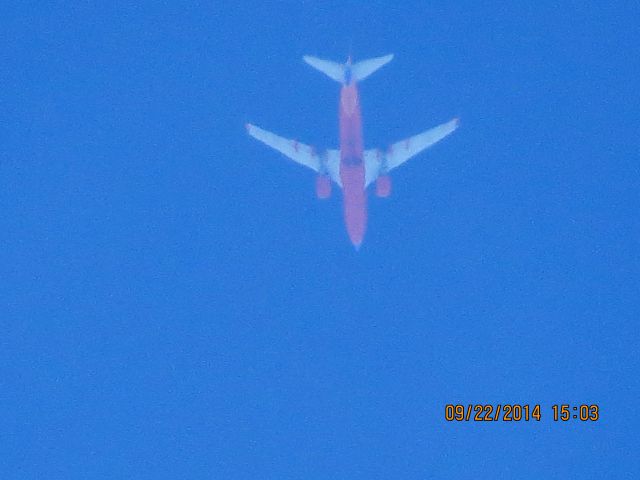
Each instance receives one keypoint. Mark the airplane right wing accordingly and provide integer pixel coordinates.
(378, 162)
(298, 152)
(403, 150)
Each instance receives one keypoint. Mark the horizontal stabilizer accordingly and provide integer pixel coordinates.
(330, 69)
(363, 69)
(345, 72)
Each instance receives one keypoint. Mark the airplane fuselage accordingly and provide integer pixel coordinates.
(352, 168)
(352, 172)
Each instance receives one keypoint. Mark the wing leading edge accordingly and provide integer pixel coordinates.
(379, 163)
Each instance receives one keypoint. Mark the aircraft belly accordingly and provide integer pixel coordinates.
(352, 171)
(350, 166)
(355, 201)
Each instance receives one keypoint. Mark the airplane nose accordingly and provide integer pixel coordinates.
(355, 211)
(356, 239)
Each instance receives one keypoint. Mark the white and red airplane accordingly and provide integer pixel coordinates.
(352, 168)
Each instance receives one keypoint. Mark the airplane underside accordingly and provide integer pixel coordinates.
(351, 167)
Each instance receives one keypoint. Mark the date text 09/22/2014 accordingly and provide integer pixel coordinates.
(519, 412)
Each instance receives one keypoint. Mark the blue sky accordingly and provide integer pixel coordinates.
(176, 303)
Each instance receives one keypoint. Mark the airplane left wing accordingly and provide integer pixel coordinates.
(326, 164)
(378, 162)
(296, 151)
(333, 166)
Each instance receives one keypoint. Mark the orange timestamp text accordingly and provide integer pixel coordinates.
(518, 412)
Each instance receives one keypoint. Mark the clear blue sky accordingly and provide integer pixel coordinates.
(176, 303)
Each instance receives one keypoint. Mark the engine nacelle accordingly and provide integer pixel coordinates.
(323, 186)
(383, 186)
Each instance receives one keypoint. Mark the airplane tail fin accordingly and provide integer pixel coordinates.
(345, 72)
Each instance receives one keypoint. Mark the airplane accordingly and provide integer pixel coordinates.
(351, 167)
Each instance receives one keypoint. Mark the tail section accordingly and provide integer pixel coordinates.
(363, 69)
(345, 72)
(332, 70)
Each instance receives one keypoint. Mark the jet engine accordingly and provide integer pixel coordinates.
(323, 186)
(383, 186)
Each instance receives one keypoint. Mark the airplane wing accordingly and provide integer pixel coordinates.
(373, 161)
(378, 162)
(296, 151)
(333, 166)
(326, 164)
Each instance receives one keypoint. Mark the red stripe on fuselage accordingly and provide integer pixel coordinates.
(352, 164)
